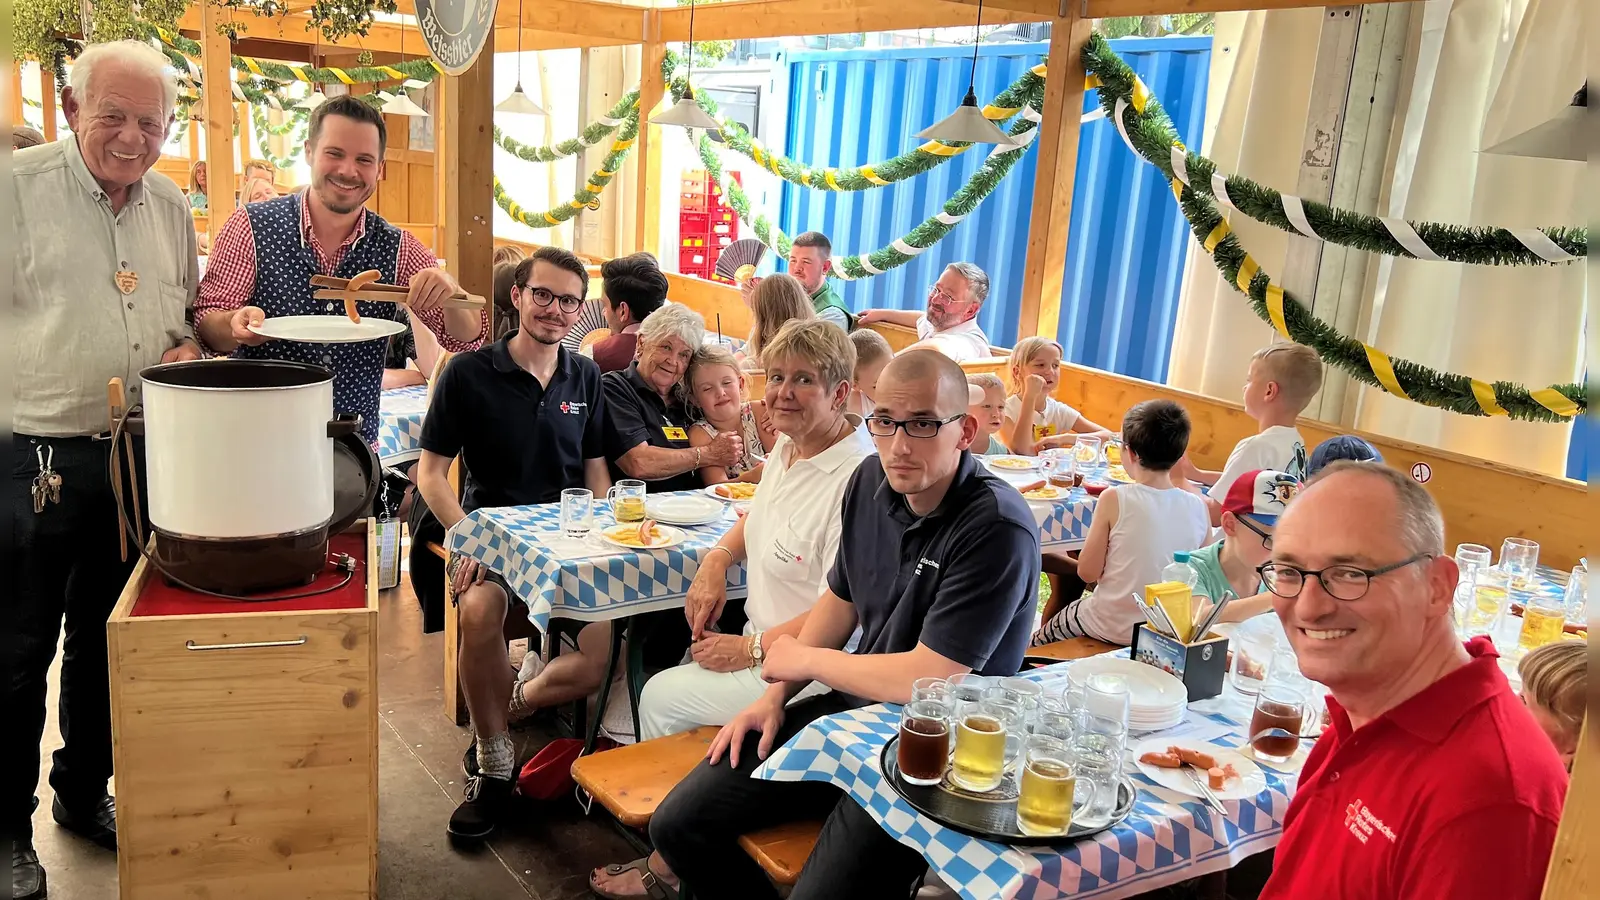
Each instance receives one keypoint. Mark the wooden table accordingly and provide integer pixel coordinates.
(246, 740)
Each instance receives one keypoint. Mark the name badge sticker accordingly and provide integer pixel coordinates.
(674, 433)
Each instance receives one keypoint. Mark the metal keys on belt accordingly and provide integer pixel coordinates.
(47, 484)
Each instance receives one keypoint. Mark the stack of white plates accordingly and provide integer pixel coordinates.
(1156, 700)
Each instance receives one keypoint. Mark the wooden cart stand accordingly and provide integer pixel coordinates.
(245, 741)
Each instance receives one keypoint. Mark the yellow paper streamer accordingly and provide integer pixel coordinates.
(591, 187)
(1384, 369)
(1177, 190)
(1215, 237)
(999, 113)
(251, 64)
(551, 219)
(871, 174)
(1090, 81)
(1247, 271)
(938, 149)
(1039, 70)
(832, 182)
(395, 74)
(1275, 310)
(1555, 401)
(1484, 393)
(300, 74)
(340, 74)
(1141, 95)
(622, 145)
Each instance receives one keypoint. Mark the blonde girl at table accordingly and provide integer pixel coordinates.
(1034, 419)
(787, 544)
(717, 392)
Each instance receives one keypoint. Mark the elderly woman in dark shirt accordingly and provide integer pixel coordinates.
(647, 421)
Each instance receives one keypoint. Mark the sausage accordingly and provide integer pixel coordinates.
(1032, 486)
(1162, 760)
(1219, 777)
(1194, 757)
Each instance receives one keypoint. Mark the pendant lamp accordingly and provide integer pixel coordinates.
(687, 112)
(518, 101)
(400, 104)
(1560, 137)
(968, 124)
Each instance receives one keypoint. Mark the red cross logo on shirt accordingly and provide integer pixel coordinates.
(564, 408)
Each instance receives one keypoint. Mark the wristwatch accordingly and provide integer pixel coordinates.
(756, 653)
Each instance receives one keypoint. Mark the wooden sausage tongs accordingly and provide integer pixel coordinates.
(366, 286)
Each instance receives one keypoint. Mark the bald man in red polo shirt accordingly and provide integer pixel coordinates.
(1432, 780)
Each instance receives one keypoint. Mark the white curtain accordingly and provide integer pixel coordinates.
(1487, 69)
(1261, 68)
(1482, 70)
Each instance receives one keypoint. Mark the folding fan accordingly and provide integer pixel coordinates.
(739, 254)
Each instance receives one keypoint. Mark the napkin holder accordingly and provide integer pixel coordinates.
(1201, 665)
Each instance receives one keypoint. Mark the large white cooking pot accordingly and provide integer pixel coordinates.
(245, 478)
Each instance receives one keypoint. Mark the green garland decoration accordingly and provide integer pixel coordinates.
(417, 69)
(898, 252)
(1291, 318)
(593, 134)
(264, 129)
(588, 195)
(1154, 139)
(1026, 92)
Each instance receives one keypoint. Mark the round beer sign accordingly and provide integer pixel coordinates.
(455, 30)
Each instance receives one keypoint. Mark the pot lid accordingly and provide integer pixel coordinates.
(355, 481)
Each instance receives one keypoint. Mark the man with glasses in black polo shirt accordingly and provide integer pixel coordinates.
(939, 566)
(525, 414)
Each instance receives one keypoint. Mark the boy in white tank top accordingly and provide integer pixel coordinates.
(1135, 530)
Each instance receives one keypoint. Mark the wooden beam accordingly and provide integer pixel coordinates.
(1571, 872)
(588, 18)
(216, 69)
(1053, 181)
(47, 96)
(647, 193)
(467, 107)
(1106, 9)
(745, 19)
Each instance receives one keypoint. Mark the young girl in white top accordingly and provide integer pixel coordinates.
(1035, 420)
(1136, 529)
(716, 388)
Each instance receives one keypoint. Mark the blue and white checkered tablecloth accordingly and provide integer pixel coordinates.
(1169, 837)
(400, 413)
(591, 581)
(1063, 523)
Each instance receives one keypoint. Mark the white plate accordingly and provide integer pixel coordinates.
(711, 491)
(1251, 780)
(670, 537)
(326, 329)
(1011, 463)
(1150, 690)
(681, 510)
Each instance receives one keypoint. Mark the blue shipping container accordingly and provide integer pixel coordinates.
(1125, 251)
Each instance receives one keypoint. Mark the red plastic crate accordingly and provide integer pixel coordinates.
(694, 260)
(694, 224)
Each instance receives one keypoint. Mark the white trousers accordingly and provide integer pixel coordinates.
(689, 696)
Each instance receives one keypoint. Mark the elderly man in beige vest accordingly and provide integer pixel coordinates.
(104, 279)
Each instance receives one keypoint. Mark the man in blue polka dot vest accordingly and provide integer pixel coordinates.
(266, 253)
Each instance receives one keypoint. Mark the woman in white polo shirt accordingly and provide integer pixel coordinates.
(787, 542)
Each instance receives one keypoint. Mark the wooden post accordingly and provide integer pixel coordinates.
(216, 64)
(1052, 184)
(242, 110)
(1571, 871)
(47, 97)
(16, 91)
(441, 168)
(467, 108)
(647, 193)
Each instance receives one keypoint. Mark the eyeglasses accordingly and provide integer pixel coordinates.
(938, 293)
(1266, 539)
(543, 297)
(1341, 582)
(883, 426)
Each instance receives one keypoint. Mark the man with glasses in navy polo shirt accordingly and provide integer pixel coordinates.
(525, 415)
(938, 565)
(1432, 780)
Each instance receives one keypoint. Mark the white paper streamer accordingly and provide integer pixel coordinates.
(609, 122)
(946, 218)
(1032, 115)
(1540, 244)
(1099, 112)
(1408, 238)
(1219, 187)
(837, 265)
(1295, 211)
(1180, 164)
(868, 266)
(901, 245)
(1122, 129)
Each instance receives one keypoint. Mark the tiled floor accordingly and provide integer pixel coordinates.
(546, 855)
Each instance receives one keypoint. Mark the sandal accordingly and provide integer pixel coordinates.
(654, 887)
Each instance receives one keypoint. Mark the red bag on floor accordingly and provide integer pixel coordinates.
(548, 775)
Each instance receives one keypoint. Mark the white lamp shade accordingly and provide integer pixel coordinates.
(687, 113)
(312, 100)
(520, 103)
(967, 125)
(401, 105)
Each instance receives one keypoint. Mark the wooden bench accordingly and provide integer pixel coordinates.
(630, 782)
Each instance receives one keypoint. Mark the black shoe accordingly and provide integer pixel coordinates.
(488, 801)
(95, 821)
(469, 761)
(27, 876)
